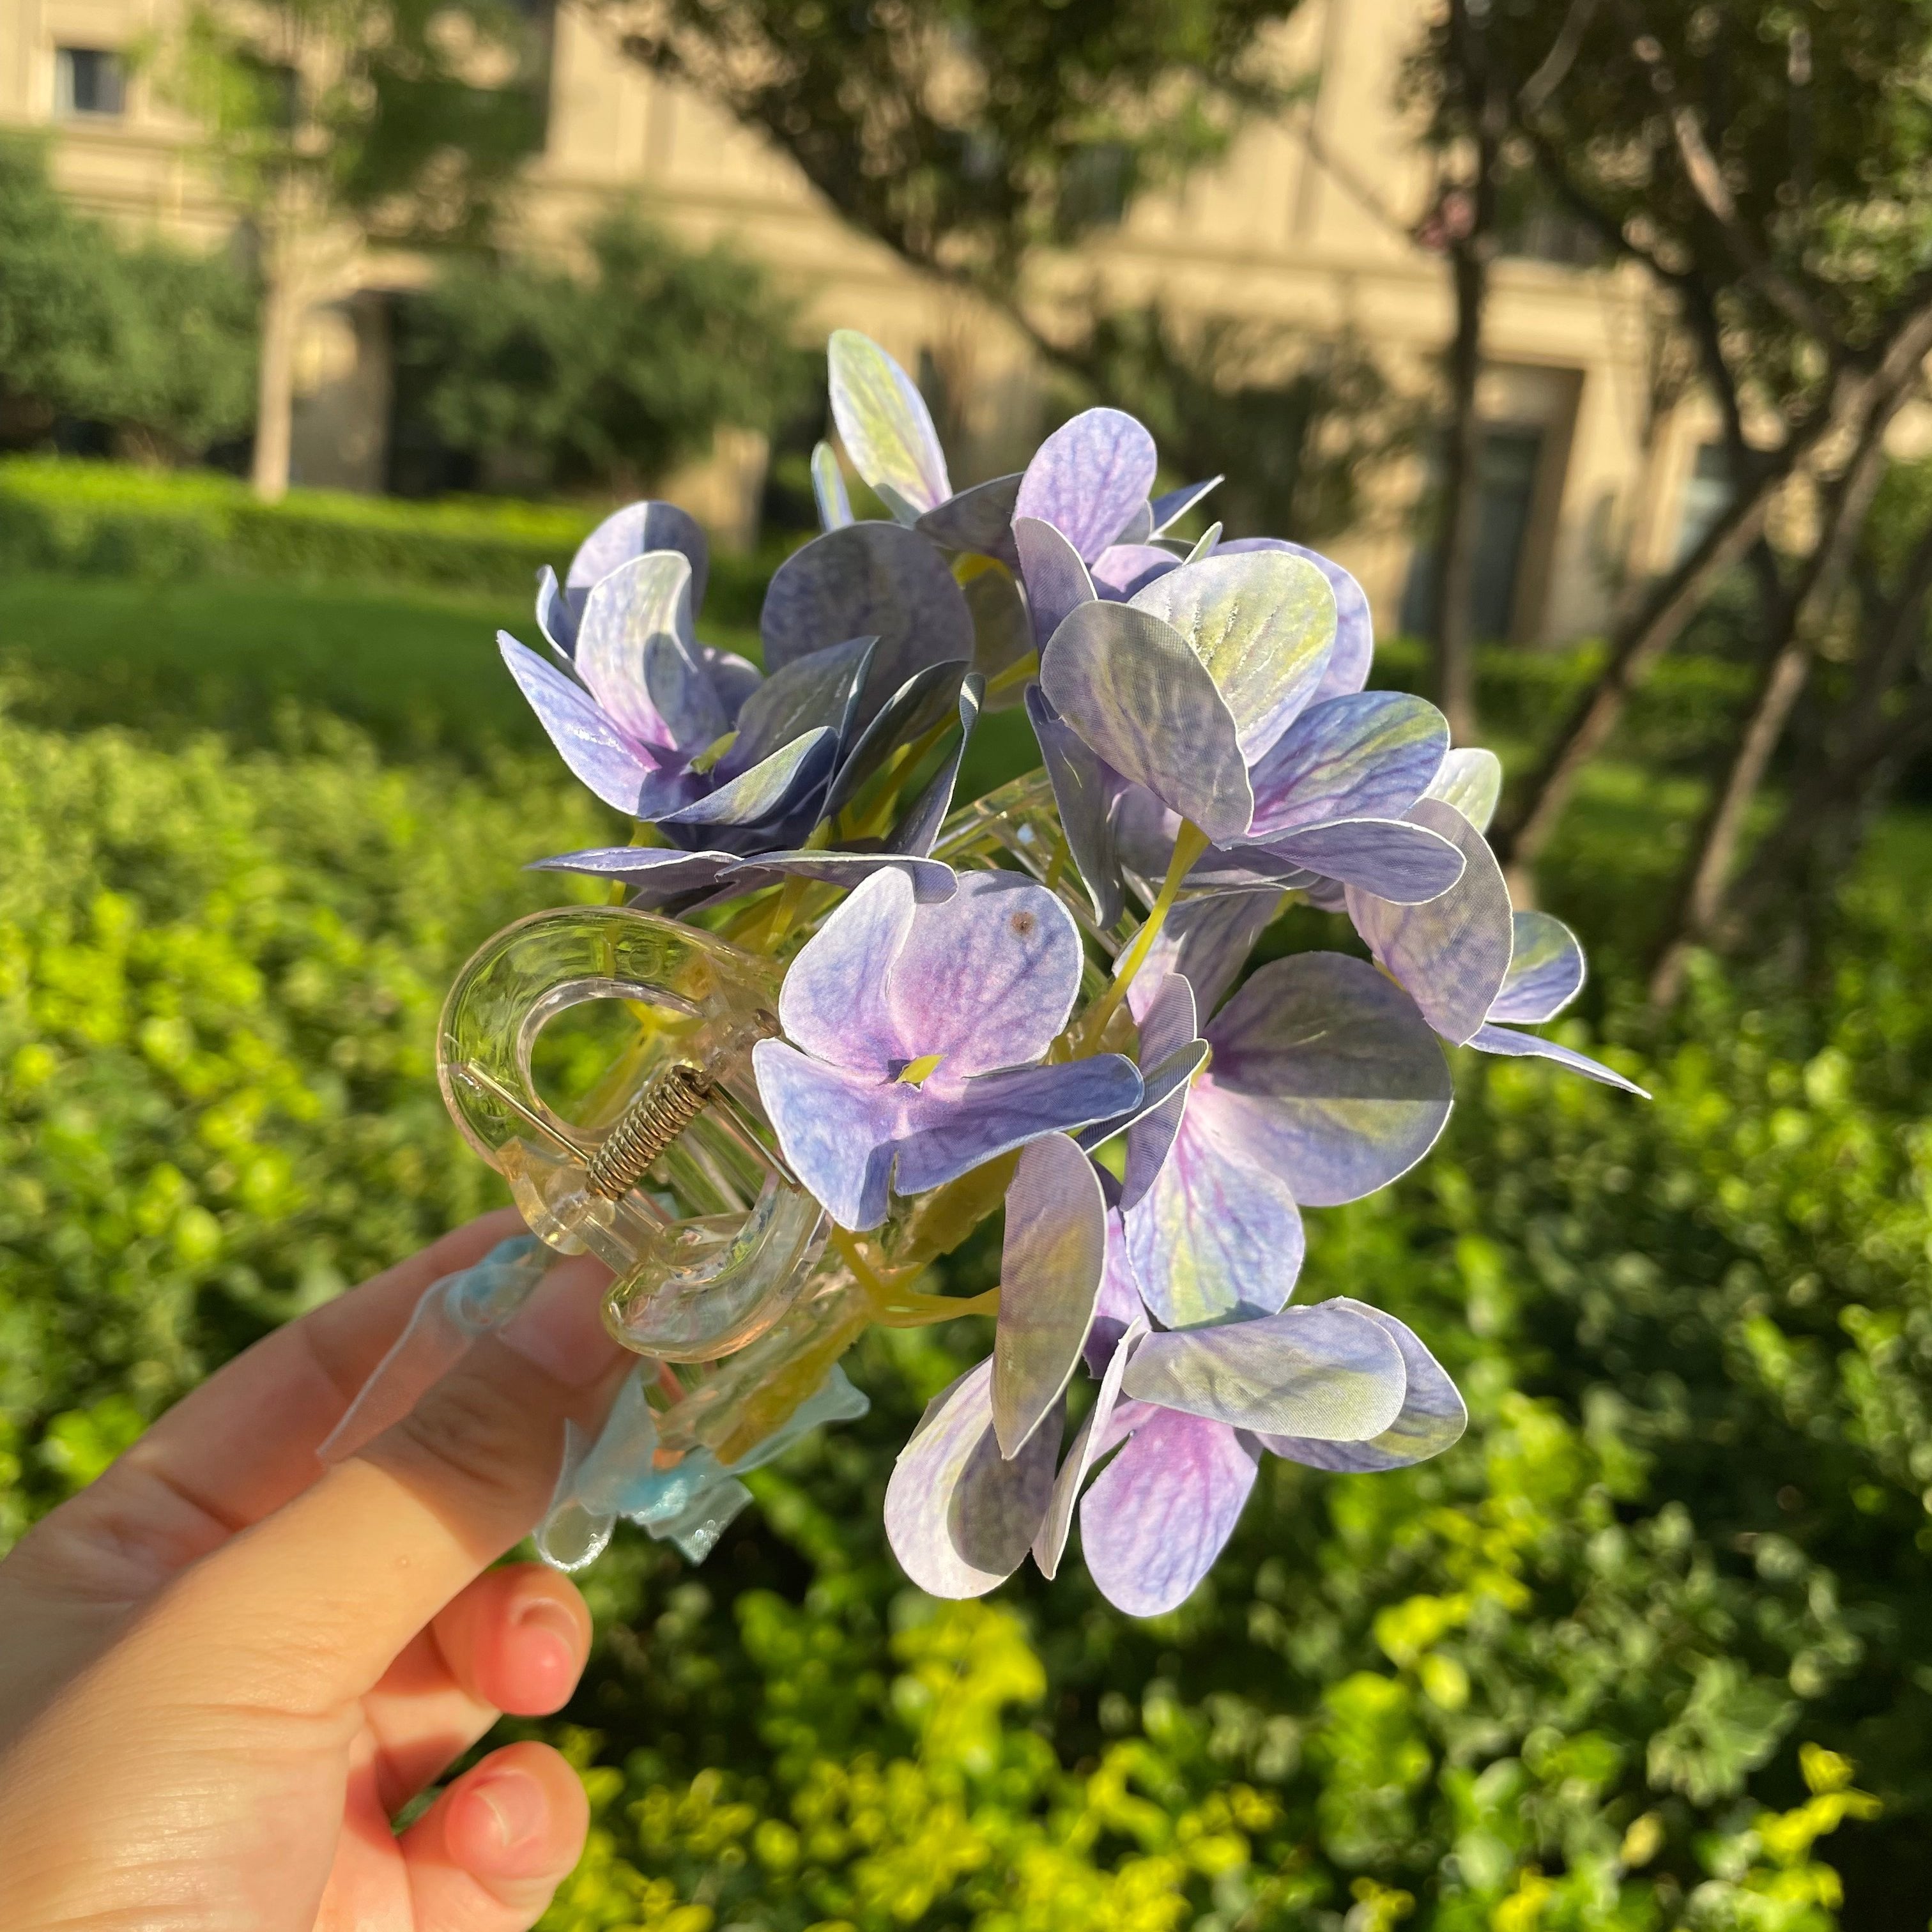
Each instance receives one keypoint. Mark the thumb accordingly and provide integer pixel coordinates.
(315, 1600)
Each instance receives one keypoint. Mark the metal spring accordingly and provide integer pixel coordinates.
(649, 1124)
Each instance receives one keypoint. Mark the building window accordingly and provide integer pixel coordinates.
(1707, 496)
(88, 80)
(1506, 463)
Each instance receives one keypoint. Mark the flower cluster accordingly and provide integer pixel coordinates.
(1077, 1029)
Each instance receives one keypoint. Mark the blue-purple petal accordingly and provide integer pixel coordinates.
(979, 520)
(1349, 662)
(1452, 954)
(1212, 1237)
(815, 692)
(1208, 940)
(925, 699)
(1128, 1324)
(654, 875)
(1088, 478)
(920, 823)
(884, 423)
(836, 1128)
(775, 788)
(1055, 576)
(1129, 684)
(867, 580)
(1162, 1511)
(1171, 505)
(634, 531)
(1371, 755)
(993, 1113)
(1122, 568)
(960, 1518)
(1471, 780)
(1263, 625)
(1433, 1419)
(1546, 970)
(1084, 790)
(1325, 1075)
(828, 488)
(637, 652)
(834, 1001)
(1323, 1372)
(590, 745)
(1050, 1266)
(1404, 863)
(1507, 1041)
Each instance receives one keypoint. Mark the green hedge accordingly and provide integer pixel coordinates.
(105, 519)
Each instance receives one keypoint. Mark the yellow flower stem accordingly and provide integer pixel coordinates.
(1188, 847)
(1027, 667)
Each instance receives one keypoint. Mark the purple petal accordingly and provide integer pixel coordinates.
(1546, 971)
(1212, 1237)
(835, 1128)
(920, 822)
(1138, 529)
(987, 979)
(979, 520)
(867, 580)
(555, 618)
(925, 700)
(1168, 508)
(1451, 954)
(1119, 1306)
(1092, 1442)
(772, 788)
(1324, 1074)
(1131, 687)
(655, 875)
(591, 745)
(1471, 780)
(1404, 863)
(828, 488)
(1084, 790)
(1050, 1264)
(1088, 478)
(1264, 626)
(1369, 756)
(1515, 1045)
(1433, 1417)
(1056, 578)
(958, 1516)
(1324, 1371)
(815, 692)
(995, 1112)
(1163, 1510)
(1152, 1133)
(884, 423)
(1354, 649)
(636, 652)
(1208, 941)
(834, 1001)
(634, 531)
(1122, 568)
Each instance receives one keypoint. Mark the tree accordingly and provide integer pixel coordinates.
(335, 123)
(151, 341)
(1764, 168)
(613, 377)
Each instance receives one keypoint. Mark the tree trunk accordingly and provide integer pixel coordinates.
(1454, 625)
(1700, 896)
(275, 395)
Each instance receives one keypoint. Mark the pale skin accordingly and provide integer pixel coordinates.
(224, 1668)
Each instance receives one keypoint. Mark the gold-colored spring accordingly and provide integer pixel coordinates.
(649, 1124)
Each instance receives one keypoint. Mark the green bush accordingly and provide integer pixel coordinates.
(92, 518)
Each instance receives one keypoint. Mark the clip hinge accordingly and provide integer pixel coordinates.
(662, 1111)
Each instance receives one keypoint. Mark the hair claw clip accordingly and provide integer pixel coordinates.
(671, 1175)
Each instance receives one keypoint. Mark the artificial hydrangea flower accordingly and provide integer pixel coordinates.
(913, 1036)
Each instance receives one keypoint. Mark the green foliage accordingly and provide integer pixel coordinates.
(1561, 1680)
(155, 342)
(612, 378)
(109, 520)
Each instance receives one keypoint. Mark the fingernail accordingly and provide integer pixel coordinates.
(514, 1801)
(551, 1642)
(561, 1327)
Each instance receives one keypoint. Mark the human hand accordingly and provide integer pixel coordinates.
(224, 1668)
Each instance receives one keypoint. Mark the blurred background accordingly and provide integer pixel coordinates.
(1591, 333)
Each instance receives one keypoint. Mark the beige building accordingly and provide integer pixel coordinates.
(1587, 481)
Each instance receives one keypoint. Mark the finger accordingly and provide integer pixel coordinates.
(381, 1543)
(487, 1854)
(516, 1639)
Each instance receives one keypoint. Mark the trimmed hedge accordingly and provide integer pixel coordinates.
(113, 520)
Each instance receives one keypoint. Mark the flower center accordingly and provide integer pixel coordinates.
(916, 1072)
